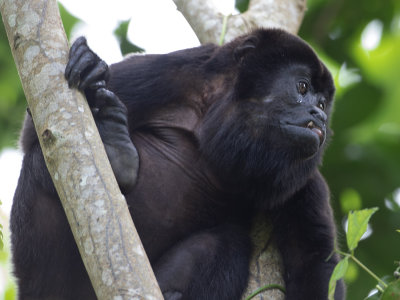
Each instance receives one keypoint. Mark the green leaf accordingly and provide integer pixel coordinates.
(357, 225)
(392, 292)
(121, 32)
(242, 5)
(69, 21)
(353, 272)
(337, 274)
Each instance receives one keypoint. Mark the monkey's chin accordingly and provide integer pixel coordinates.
(306, 142)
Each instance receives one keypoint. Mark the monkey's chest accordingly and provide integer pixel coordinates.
(173, 196)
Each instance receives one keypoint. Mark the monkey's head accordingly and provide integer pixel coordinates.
(273, 123)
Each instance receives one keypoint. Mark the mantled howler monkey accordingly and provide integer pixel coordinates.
(221, 132)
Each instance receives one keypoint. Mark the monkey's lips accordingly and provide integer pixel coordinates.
(308, 131)
(317, 130)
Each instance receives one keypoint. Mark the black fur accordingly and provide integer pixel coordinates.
(221, 132)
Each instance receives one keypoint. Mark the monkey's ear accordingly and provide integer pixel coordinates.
(248, 45)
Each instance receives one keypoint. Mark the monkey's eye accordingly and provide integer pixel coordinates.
(302, 87)
(321, 105)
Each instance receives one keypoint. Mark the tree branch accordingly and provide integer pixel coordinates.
(266, 266)
(206, 21)
(75, 156)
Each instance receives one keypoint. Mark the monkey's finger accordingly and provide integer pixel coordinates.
(81, 41)
(109, 98)
(97, 85)
(85, 61)
(76, 51)
(98, 73)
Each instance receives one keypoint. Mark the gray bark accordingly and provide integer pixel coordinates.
(96, 210)
(206, 21)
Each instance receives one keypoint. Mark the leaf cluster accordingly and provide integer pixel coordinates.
(356, 228)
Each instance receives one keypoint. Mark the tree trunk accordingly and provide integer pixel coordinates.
(207, 23)
(96, 210)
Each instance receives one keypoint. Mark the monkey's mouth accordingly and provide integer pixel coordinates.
(305, 132)
(319, 131)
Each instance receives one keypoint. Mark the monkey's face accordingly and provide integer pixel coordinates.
(292, 112)
(275, 121)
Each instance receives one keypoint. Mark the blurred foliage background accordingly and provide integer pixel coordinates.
(360, 43)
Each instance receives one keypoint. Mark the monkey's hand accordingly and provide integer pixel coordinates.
(89, 74)
(85, 69)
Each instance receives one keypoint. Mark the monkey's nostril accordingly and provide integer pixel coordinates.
(319, 114)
